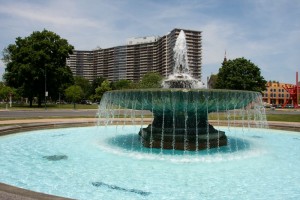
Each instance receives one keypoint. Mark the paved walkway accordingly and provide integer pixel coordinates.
(295, 126)
(8, 192)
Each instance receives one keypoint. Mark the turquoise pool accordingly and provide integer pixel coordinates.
(109, 163)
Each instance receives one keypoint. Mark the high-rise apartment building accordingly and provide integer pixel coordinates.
(139, 56)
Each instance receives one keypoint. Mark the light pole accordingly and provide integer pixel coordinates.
(46, 93)
(10, 99)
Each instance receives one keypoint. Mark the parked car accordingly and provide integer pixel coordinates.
(289, 106)
(267, 105)
(87, 102)
(276, 106)
(61, 102)
(96, 103)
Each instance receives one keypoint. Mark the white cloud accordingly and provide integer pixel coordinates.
(260, 30)
(215, 37)
(41, 14)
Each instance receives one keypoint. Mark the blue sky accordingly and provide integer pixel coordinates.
(266, 32)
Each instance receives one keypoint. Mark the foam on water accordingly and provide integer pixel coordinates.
(181, 75)
(137, 151)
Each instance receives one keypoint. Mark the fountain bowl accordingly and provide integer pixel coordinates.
(168, 99)
(180, 116)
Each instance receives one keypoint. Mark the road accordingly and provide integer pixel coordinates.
(58, 113)
(23, 114)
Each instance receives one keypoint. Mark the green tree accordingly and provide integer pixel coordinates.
(122, 84)
(105, 86)
(212, 81)
(84, 84)
(61, 91)
(240, 74)
(74, 93)
(97, 82)
(151, 80)
(37, 63)
(6, 93)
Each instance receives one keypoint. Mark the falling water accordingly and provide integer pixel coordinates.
(157, 111)
(181, 76)
(182, 115)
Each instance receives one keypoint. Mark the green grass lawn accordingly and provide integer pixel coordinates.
(288, 117)
(283, 117)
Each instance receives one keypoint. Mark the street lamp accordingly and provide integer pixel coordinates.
(46, 92)
(10, 99)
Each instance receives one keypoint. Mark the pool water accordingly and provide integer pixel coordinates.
(102, 163)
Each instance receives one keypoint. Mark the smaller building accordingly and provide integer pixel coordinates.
(276, 94)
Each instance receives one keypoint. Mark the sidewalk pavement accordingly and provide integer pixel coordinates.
(294, 126)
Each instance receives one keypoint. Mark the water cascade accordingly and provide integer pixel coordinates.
(180, 111)
(181, 77)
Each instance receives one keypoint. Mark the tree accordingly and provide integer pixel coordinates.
(97, 82)
(6, 92)
(37, 63)
(212, 81)
(151, 80)
(84, 84)
(105, 86)
(122, 84)
(74, 93)
(240, 74)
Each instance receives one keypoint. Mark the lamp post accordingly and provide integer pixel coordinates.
(10, 99)
(46, 92)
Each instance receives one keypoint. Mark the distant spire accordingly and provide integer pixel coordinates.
(225, 59)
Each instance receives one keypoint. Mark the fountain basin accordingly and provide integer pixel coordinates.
(253, 164)
(180, 116)
(190, 100)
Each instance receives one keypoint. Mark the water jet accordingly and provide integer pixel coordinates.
(180, 109)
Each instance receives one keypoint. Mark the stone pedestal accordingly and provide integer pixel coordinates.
(182, 132)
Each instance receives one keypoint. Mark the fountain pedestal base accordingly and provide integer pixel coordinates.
(183, 139)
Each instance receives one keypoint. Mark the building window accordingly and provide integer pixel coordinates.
(274, 95)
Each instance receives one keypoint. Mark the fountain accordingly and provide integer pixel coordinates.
(105, 162)
(181, 77)
(180, 109)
